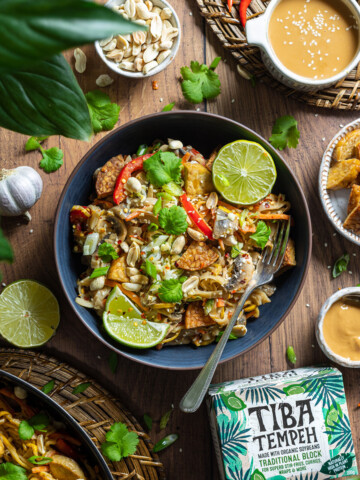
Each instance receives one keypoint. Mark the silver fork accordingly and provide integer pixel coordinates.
(269, 263)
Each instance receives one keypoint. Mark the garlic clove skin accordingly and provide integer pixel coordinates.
(20, 189)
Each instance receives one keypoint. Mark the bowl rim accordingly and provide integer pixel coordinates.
(162, 66)
(63, 414)
(320, 323)
(114, 133)
(325, 199)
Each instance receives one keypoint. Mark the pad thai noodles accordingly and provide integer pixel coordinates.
(34, 446)
(157, 229)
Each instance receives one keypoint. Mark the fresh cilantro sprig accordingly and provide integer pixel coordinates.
(103, 113)
(119, 443)
(262, 234)
(107, 252)
(341, 265)
(173, 220)
(162, 168)
(52, 158)
(27, 428)
(200, 81)
(9, 471)
(285, 133)
(170, 291)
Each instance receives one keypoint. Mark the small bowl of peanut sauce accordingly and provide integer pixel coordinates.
(338, 327)
(308, 44)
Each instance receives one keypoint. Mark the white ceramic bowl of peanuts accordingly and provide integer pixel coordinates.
(142, 54)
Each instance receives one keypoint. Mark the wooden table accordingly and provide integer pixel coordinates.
(145, 389)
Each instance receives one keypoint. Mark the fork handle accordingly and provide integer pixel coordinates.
(193, 398)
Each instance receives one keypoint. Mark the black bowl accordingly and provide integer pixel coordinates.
(203, 131)
(41, 400)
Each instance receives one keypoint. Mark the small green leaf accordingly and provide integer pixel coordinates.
(148, 422)
(168, 107)
(170, 291)
(99, 272)
(27, 428)
(52, 159)
(9, 471)
(165, 419)
(290, 353)
(200, 82)
(285, 133)
(262, 234)
(341, 265)
(81, 388)
(48, 387)
(33, 143)
(150, 269)
(107, 252)
(119, 443)
(220, 334)
(26, 431)
(113, 361)
(103, 113)
(162, 168)
(157, 207)
(173, 220)
(165, 442)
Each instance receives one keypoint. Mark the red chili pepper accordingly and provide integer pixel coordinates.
(195, 216)
(242, 10)
(125, 174)
(230, 4)
(65, 448)
(79, 214)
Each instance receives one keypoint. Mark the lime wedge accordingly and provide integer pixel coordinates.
(243, 172)
(124, 323)
(29, 314)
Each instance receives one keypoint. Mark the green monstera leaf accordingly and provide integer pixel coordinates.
(257, 475)
(293, 390)
(338, 464)
(232, 401)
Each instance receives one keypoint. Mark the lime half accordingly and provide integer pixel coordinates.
(124, 323)
(243, 172)
(29, 314)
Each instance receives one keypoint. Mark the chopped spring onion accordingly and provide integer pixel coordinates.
(141, 150)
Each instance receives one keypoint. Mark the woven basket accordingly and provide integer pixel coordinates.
(227, 27)
(95, 409)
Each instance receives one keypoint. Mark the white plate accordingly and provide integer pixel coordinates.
(335, 202)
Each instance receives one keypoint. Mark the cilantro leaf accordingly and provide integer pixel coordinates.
(262, 234)
(341, 265)
(150, 269)
(236, 250)
(170, 291)
(119, 443)
(200, 82)
(27, 428)
(52, 159)
(99, 272)
(162, 168)
(107, 252)
(173, 220)
(48, 387)
(103, 113)
(9, 471)
(33, 143)
(285, 133)
(81, 388)
(168, 107)
(165, 419)
(113, 362)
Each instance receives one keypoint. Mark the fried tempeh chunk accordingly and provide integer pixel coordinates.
(354, 198)
(195, 316)
(106, 178)
(199, 255)
(198, 179)
(343, 174)
(352, 221)
(117, 271)
(346, 147)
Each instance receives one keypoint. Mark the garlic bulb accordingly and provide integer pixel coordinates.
(20, 189)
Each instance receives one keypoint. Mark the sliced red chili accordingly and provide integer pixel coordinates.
(196, 217)
(230, 4)
(65, 448)
(242, 11)
(125, 174)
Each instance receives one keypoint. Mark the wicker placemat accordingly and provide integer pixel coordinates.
(95, 409)
(227, 27)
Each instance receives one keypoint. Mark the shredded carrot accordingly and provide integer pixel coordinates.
(359, 405)
(134, 215)
(272, 216)
(43, 468)
(221, 243)
(220, 303)
(247, 229)
(186, 157)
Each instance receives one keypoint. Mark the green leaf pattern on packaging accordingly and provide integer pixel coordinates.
(287, 425)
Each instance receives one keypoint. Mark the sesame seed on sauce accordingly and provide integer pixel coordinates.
(315, 38)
